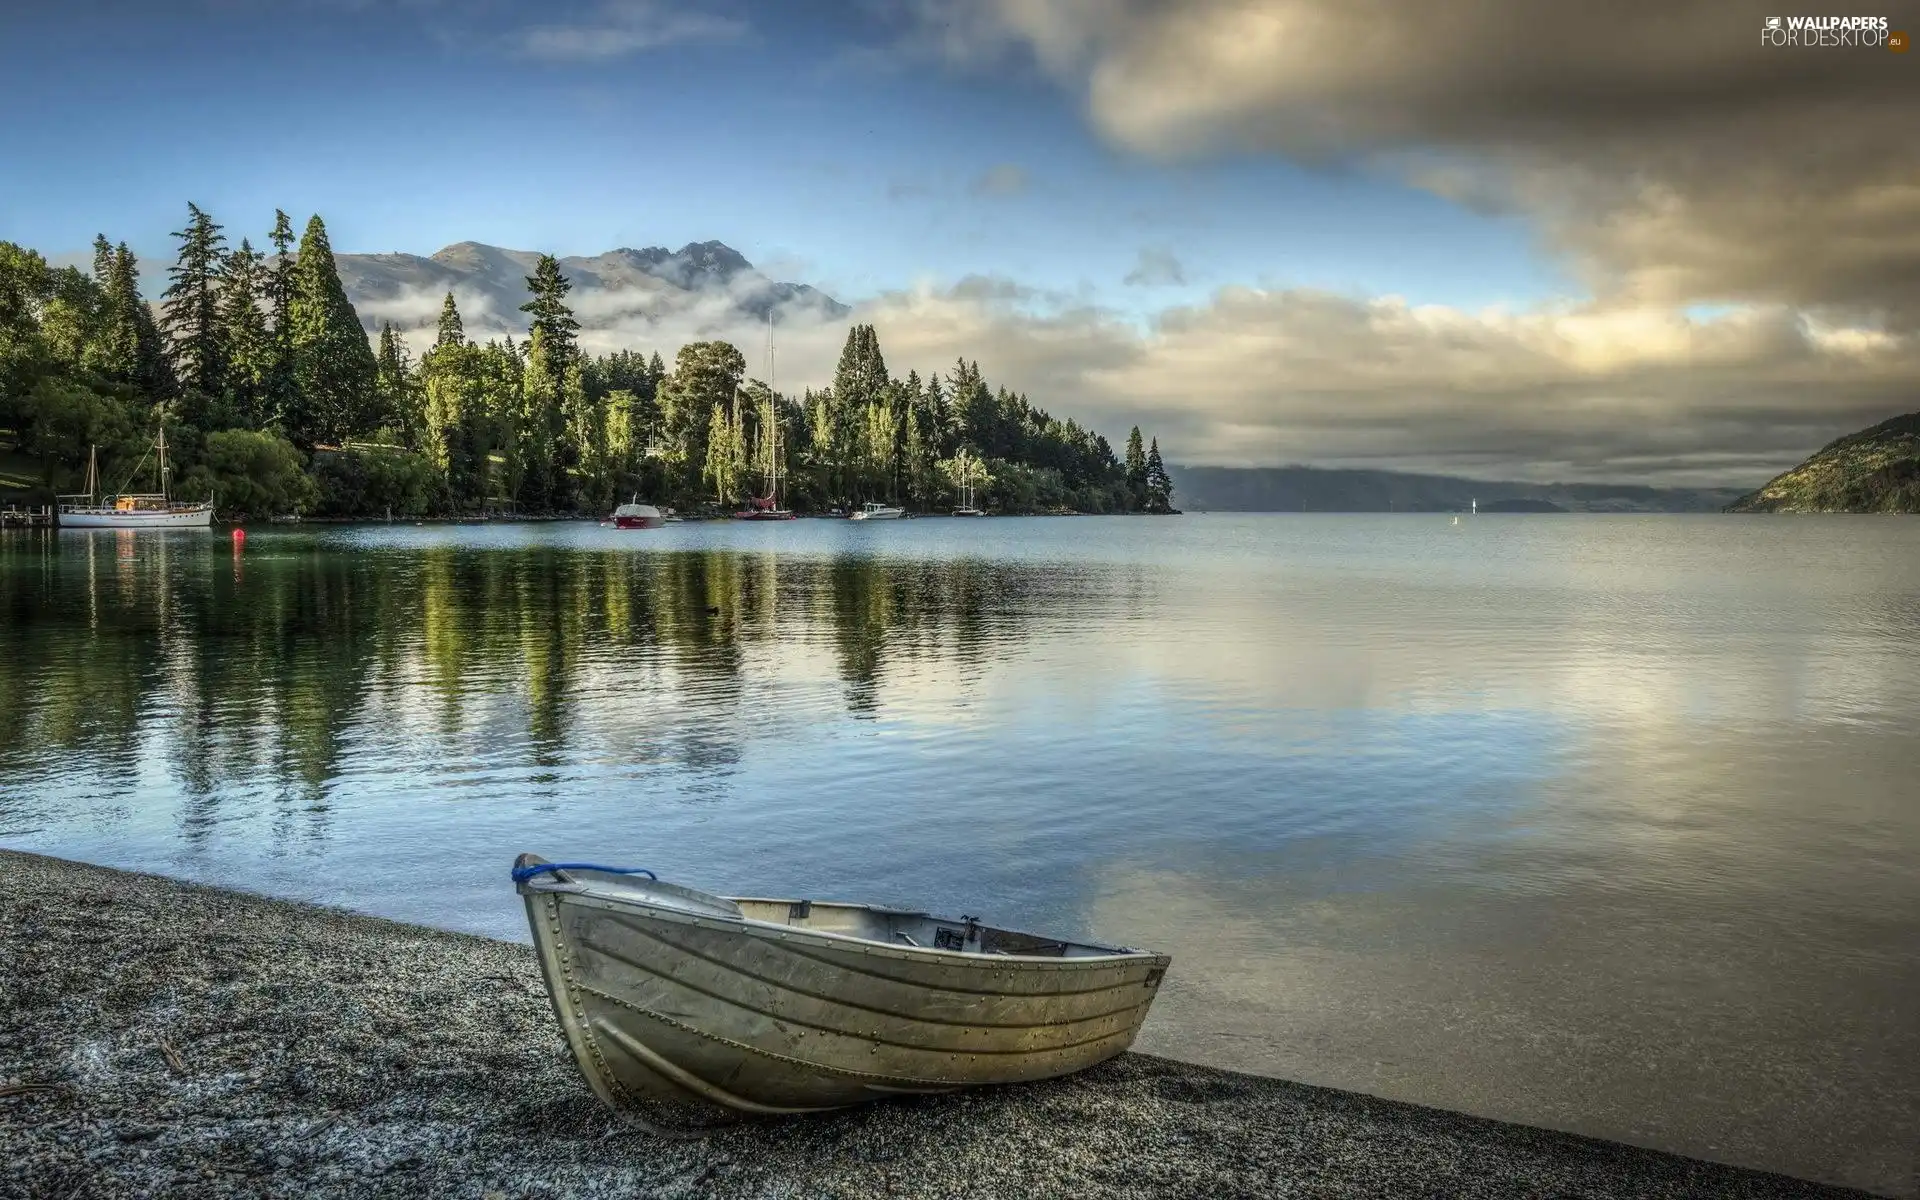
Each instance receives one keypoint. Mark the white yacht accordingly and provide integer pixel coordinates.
(138, 510)
(874, 511)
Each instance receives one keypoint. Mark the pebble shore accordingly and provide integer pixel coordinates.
(159, 1038)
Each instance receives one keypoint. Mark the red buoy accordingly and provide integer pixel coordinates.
(239, 535)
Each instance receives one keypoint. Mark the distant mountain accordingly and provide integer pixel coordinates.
(1314, 489)
(708, 283)
(1875, 470)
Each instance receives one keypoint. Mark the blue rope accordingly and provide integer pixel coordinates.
(522, 874)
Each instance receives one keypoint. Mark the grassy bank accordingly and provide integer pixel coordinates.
(159, 1038)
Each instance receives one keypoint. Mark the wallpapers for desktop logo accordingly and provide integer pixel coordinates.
(1831, 31)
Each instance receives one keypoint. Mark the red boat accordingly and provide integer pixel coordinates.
(763, 508)
(638, 516)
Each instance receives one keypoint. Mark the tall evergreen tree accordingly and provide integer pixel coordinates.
(279, 401)
(1159, 483)
(587, 441)
(152, 369)
(115, 349)
(102, 259)
(550, 313)
(969, 405)
(193, 316)
(396, 401)
(247, 341)
(858, 383)
(1137, 468)
(539, 423)
(862, 372)
(452, 332)
(333, 363)
(553, 455)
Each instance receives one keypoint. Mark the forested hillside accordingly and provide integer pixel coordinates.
(277, 402)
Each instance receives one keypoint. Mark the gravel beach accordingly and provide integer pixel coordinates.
(159, 1038)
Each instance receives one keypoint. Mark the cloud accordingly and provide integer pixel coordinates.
(1663, 149)
(622, 27)
(1573, 392)
(1156, 268)
(1001, 179)
(1569, 392)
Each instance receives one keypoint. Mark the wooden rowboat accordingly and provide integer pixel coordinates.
(687, 1009)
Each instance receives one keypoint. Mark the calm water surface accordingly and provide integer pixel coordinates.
(1605, 824)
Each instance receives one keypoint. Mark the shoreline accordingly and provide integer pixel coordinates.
(161, 1037)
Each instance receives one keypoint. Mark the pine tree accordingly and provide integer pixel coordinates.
(587, 436)
(115, 349)
(968, 407)
(1137, 469)
(247, 340)
(193, 317)
(152, 369)
(1159, 483)
(452, 332)
(102, 259)
(553, 453)
(538, 423)
(333, 365)
(858, 383)
(862, 372)
(396, 404)
(551, 315)
(279, 399)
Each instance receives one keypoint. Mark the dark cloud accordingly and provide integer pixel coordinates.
(1586, 392)
(1665, 149)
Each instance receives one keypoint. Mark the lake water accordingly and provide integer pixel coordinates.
(1608, 824)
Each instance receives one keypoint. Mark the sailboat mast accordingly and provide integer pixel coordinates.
(160, 444)
(772, 415)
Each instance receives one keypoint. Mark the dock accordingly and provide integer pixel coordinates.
(12, 517)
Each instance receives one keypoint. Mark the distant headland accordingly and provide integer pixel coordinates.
(1874, 470)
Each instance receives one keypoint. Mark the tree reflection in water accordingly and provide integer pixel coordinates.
(263, 677)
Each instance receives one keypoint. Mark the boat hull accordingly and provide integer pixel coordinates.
(764, 515)
(638, 522)
(681, 1019)
(189, 518)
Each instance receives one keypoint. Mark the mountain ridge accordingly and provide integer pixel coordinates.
(1350, 490)
(709, 282)
(1876, 469)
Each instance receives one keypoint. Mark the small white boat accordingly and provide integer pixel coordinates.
(684, 1008)
(139, 510)
(872, 511)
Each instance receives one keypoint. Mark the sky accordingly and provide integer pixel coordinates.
(1617, 242)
